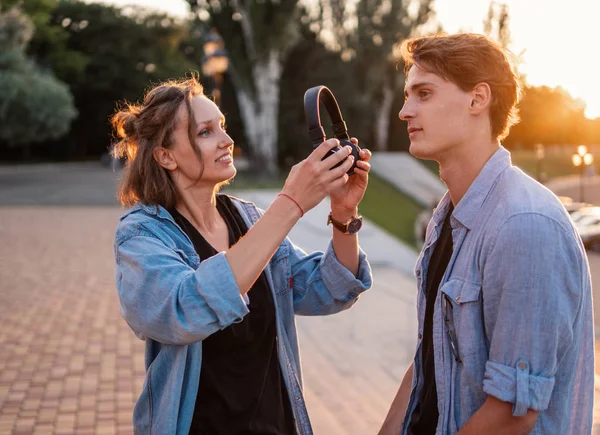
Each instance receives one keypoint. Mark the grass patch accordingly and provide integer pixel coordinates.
(390, 209)
(432, 165)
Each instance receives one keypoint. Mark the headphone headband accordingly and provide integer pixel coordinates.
(312, 105)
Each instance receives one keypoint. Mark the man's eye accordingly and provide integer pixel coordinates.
(424, 94)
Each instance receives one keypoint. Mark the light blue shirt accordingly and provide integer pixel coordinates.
(173, 301)
(517, 295)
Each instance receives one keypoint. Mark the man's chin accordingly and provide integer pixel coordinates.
(419, 151)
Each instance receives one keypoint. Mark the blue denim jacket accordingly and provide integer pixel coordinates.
(517, 295)
(173, 301)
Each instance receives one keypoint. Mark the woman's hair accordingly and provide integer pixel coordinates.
(144, 127)
(467, 59)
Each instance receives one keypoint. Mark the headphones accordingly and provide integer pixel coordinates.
(312, 103)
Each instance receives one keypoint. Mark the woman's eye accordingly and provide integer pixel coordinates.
(204, 132)
(224, 127)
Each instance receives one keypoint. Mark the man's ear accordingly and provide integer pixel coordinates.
(164, 158)
(481, 98)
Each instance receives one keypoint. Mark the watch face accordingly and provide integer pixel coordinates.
(354, 225)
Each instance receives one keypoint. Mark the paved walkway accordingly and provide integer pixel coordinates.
(70, 364)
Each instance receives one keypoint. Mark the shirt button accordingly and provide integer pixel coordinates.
(420, 336)
(458, 299)
(522, 366)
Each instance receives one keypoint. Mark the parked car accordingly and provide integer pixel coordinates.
(572, 206)
(587, 222)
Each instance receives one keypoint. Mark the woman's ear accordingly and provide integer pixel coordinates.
(164, 158)
(481, 97)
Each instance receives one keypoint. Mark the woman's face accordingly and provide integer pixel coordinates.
(210, 137)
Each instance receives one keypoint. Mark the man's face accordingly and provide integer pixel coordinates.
(437, 113)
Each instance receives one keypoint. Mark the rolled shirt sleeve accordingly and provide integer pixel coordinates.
(322, 285)
(164, 299)
(532, 288)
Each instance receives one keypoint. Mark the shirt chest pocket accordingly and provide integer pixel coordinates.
(462, 309)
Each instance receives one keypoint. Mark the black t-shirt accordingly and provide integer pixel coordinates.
(425, 416)
(241, 389)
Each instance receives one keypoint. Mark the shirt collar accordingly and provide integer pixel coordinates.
(468, 207)
(153, 210)
(466, 210)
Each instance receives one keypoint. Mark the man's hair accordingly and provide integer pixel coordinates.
(141, 129)
(467, 59)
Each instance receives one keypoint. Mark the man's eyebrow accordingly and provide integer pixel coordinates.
(416, 86)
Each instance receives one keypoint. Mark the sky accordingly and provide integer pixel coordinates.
(558, 43)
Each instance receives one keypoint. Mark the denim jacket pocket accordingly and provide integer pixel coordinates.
(465, 310)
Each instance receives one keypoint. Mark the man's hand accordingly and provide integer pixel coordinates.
(395, 418)
(495, 418)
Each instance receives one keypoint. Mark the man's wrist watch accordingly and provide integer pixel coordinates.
(351, 226)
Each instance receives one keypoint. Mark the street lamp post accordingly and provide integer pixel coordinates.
(582, 159)
(539, 156)
(215, 61)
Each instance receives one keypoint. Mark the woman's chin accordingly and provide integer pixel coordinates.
(233, 172)
(227, 176)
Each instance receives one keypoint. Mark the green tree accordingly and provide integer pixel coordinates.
(34, 105)
(128, 50)
(549, 116)
(496, 24)
(310, 64)
(368, 36)
(258, 37)
(48, 46)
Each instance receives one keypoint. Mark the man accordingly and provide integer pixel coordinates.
(504, 295)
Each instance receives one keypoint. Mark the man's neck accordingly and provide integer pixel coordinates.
(460, 169)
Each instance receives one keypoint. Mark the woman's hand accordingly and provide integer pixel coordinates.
(345, 199)
(311, 180)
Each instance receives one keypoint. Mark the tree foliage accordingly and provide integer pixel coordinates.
(34, 105)
(550, 116)
(127, 50)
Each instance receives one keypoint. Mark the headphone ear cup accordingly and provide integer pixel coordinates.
(355, 153)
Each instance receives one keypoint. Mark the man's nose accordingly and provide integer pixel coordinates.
(406, 112)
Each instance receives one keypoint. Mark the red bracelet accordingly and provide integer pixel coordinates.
(294, 201)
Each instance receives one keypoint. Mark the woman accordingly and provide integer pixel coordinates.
(211, 282)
